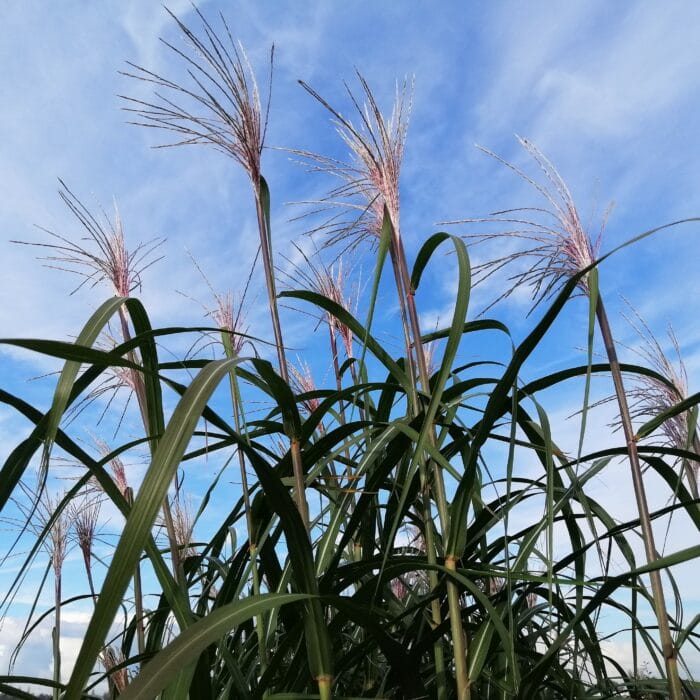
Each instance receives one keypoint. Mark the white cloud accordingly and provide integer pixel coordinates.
(607, 71)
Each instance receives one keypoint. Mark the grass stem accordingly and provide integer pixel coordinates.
(668, 647)
(266, 250)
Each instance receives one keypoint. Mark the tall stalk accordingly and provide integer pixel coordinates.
(459, 640)
(139, 386)
(692, 470)
(58, 550)
(234, 123)
(668, 647)
(377, 147)
(561, 248)
(138, 592)
(113, 263)
(268, 266)
(252, 542)
(222, 108)
(56, 637)
(119, 475)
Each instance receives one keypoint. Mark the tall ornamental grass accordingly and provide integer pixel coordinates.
(368, 546)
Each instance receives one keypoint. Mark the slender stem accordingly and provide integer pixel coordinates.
(691, 469)
(430, 540)
(338, 381)
(138, 593)
(140, 391)
(57, 636)
(459, 639)
(268, 267)
(295, 448)
(435, 612)
(252, 544)
(356, 381)
(355, 547)
(324, 682)
(669, 650)
(410, 367)
(88, 573)
(235, 401)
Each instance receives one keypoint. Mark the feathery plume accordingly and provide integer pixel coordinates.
(370, 179)
(650, 396)
(41, 516)
(559, 245)
(302, 382)
(113, 662)
(85, 516)
(228, 311)
(220, 106)
(330, 281)
(105, 258)
(399, 589)
(430, 350)
(183, 523)
(45, 514)
(116, 465)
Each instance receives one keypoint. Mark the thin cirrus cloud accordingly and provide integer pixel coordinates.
(572, 83)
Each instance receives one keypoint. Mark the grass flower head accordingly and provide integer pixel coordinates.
(220, 104)
(101, 255)
(651, 396)
(558, 245)
(302, 382)
(331, 282)
(370, 179)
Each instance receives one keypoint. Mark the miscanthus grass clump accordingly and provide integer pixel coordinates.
(356, 532)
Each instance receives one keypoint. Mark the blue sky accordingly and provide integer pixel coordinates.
(608, 91)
